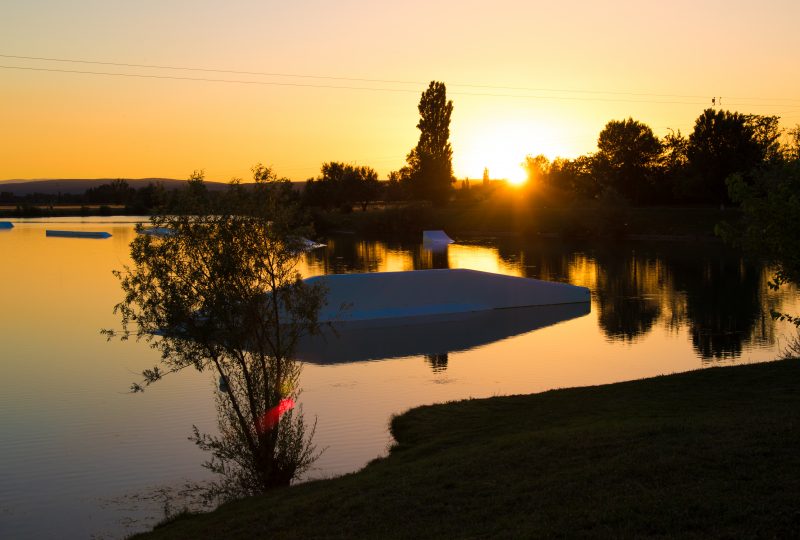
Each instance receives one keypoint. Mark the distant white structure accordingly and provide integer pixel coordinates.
(435, 238)
(158, 231)
(78, 234)
(6, 225)
(399, 295)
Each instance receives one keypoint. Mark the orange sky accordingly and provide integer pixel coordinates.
(525, 78)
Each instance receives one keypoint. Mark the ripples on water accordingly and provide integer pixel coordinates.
(80, 457)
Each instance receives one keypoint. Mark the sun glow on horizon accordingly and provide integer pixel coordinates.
(501, 148)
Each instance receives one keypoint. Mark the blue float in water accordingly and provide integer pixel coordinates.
(78, 234)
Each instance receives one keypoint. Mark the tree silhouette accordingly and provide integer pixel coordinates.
(724, 143)
(342, 185)
(627, 158)
(222, 293)
(770, 225)
(430, 161)
(536, 168)
(792, 150)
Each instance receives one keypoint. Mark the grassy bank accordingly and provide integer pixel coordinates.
(711, 453)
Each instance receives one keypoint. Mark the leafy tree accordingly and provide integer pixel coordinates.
(674, 152)
(398, 187)
(575, 179)
(536, 168)
(792, 148)
(723, 143)
(319, 194)
(220, 292)
(674, 165)
(116, 192)
(766, 135)
(770, 203)
(343, 185)
(148, 198)
(537, 184)
(627, 157)
(430, 161)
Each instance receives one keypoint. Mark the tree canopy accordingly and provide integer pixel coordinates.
(342, 185)
(627, 158)
(723, 143)
(430, 162)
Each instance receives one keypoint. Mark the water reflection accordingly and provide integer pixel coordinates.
(725, 306)
(719, 297)
(432, 337)
(438, 362)
(629, 296)
(71, 437)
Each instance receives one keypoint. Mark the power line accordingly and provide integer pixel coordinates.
(338, 87)
(369, 80)
(208, 70)
(202, 79)
(367, 88)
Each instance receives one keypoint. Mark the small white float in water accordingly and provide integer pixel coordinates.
(157, 231)
(400, 295)
(435, 238)
(78, 234)
(309, 245)
(6, 225)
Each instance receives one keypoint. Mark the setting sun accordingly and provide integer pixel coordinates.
(501, 148)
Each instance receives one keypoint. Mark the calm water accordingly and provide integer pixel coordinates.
(80, 457)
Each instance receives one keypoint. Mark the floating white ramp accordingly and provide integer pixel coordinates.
(396, 295)
(6, 225)
(78, 234)
(435, 238)
(309, 245)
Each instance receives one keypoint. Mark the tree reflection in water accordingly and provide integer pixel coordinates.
(438, 362)
(720, 298)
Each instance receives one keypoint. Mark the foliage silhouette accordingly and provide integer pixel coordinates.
(342, 185)
(626, 160)
(723, 143)
(770, 220)
(430, 162)
(221, 293)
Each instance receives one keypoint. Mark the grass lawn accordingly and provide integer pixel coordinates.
(710, 453)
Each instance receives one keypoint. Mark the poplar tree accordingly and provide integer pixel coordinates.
(431, 160)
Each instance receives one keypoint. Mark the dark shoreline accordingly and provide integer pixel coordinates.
(710, 453)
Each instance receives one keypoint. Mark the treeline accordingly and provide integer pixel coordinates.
(633, 163)
(117, 193)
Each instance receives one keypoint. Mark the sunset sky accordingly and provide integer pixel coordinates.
(340, 81)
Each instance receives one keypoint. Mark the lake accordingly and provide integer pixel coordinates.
(81, 457)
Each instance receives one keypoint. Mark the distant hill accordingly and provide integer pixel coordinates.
(77, 186)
